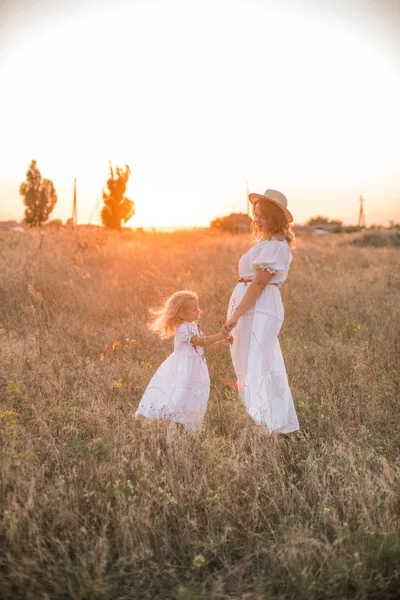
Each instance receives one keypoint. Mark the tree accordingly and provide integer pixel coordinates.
(333, 225)
(117, 208)
(39, 196)
(235, 223)
(319, 220)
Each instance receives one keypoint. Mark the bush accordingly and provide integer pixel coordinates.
(379, 238)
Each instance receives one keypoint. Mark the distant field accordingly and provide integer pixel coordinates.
(96, 505)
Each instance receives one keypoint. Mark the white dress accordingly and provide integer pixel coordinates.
(180, 388)
(256, 354)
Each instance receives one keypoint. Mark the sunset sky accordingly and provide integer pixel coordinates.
(195, 96)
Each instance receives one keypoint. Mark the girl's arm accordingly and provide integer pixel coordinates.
(206, 340)
(225, 341)
(253, 291)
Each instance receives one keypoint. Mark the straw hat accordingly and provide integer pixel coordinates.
(275, 197)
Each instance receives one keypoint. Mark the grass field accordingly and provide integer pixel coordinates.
(96, 505)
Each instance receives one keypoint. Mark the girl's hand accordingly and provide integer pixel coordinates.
(228, 341)
(224, 332)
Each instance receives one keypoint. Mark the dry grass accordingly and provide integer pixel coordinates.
(378, 238)
(96, 505)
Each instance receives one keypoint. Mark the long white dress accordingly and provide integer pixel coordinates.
(256, 354)
(180, 388)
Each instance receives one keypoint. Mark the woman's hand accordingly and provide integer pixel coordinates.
(252, 293)
(228, 341)
(230, 324)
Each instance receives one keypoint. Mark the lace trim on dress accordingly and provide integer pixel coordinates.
(262, 267)
(251, 313)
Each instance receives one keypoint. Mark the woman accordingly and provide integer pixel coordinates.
(255, 317)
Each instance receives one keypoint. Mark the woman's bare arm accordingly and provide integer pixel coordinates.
(254, 290)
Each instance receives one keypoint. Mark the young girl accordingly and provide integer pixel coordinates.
(179, 390)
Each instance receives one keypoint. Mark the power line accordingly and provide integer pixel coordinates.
(96, 207)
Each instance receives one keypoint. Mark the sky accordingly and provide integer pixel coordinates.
(197, 96)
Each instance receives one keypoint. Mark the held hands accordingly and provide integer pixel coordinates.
(227, 341)
(229, 325)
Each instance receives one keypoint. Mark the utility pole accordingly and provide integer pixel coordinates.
(361, 215)
(74, 208)
(247, 197)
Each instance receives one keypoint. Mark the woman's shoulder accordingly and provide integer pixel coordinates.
(273, 244)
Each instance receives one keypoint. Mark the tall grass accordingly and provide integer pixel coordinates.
(98, 505)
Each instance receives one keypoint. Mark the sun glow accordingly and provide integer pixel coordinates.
(195, 97)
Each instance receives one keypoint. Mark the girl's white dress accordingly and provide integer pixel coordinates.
(256, 354)
(180, 388)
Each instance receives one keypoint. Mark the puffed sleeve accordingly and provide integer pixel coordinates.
(269, 256)
(185, 333)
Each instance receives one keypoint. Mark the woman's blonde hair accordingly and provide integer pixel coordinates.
(166, 318)
(277, 223)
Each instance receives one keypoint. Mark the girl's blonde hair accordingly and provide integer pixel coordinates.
(277, 223)
(166, 318)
